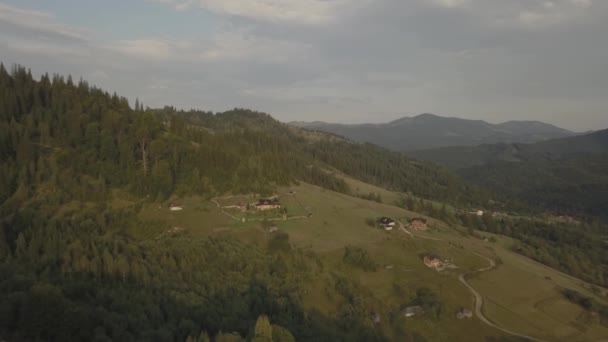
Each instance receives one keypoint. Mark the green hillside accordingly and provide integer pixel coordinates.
(577, 187)
(565, 176)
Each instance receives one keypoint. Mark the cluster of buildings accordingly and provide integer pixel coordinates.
(418, 223)
(268, 204)
(387, 222)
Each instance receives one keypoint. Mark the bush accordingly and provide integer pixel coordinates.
(359, 257)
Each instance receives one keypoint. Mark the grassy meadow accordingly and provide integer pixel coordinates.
(520, 294)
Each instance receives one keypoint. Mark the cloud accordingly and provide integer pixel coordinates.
(450, 3)
(150, 49)
(582, 3)
(42, 24)
(294, 11)
(221, 47)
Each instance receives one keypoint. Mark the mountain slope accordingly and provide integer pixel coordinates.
(566, 176)
(459, 157)
(576, 187)
(431, 131)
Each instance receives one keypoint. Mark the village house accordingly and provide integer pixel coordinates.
(268, 204)
(418, 223)
(432, 261)
(175, 207)
(464, 313)
(387, 223)
(411, 311)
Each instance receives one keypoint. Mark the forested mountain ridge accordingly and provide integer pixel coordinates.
(157, 152)
(576, 187)
(431, 131)
(565, 176)
(459, 157)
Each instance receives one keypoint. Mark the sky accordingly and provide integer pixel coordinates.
(348, 61)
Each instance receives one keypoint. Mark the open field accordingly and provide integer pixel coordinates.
(520, 294)
(525, 295)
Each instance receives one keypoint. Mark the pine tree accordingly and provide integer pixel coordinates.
(263, 329)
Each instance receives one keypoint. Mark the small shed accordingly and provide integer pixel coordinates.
(412, 311)
(175, 207)
(464, 314)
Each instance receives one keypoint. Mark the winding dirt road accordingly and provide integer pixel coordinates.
(478, 297)
(479, 302)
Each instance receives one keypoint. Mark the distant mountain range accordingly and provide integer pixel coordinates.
(461, 157)
(428, 131)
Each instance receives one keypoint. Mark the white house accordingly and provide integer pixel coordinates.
(174, 207)
(412, 311)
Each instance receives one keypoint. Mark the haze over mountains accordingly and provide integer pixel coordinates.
(428, 131)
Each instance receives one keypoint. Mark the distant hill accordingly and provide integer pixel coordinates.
(428, 131)
(460, 157)
(577, 187)
(566, 176)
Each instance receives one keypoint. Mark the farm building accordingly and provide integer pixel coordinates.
(418, 223)
(268, 204)
(387, 223)
(433, 261)
(175, 207)
(411, 311)
(464, 313)
(477, 212)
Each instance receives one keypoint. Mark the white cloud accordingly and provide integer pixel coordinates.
(582, 3)
(150, 49)
(450, 3)
(225, 46)
(241, 44)
(539, 14)
(295, 11)
(41, 23)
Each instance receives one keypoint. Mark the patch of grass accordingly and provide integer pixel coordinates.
(521, 293)
(525, 296)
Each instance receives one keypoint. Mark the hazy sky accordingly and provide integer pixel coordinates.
(331, 60)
